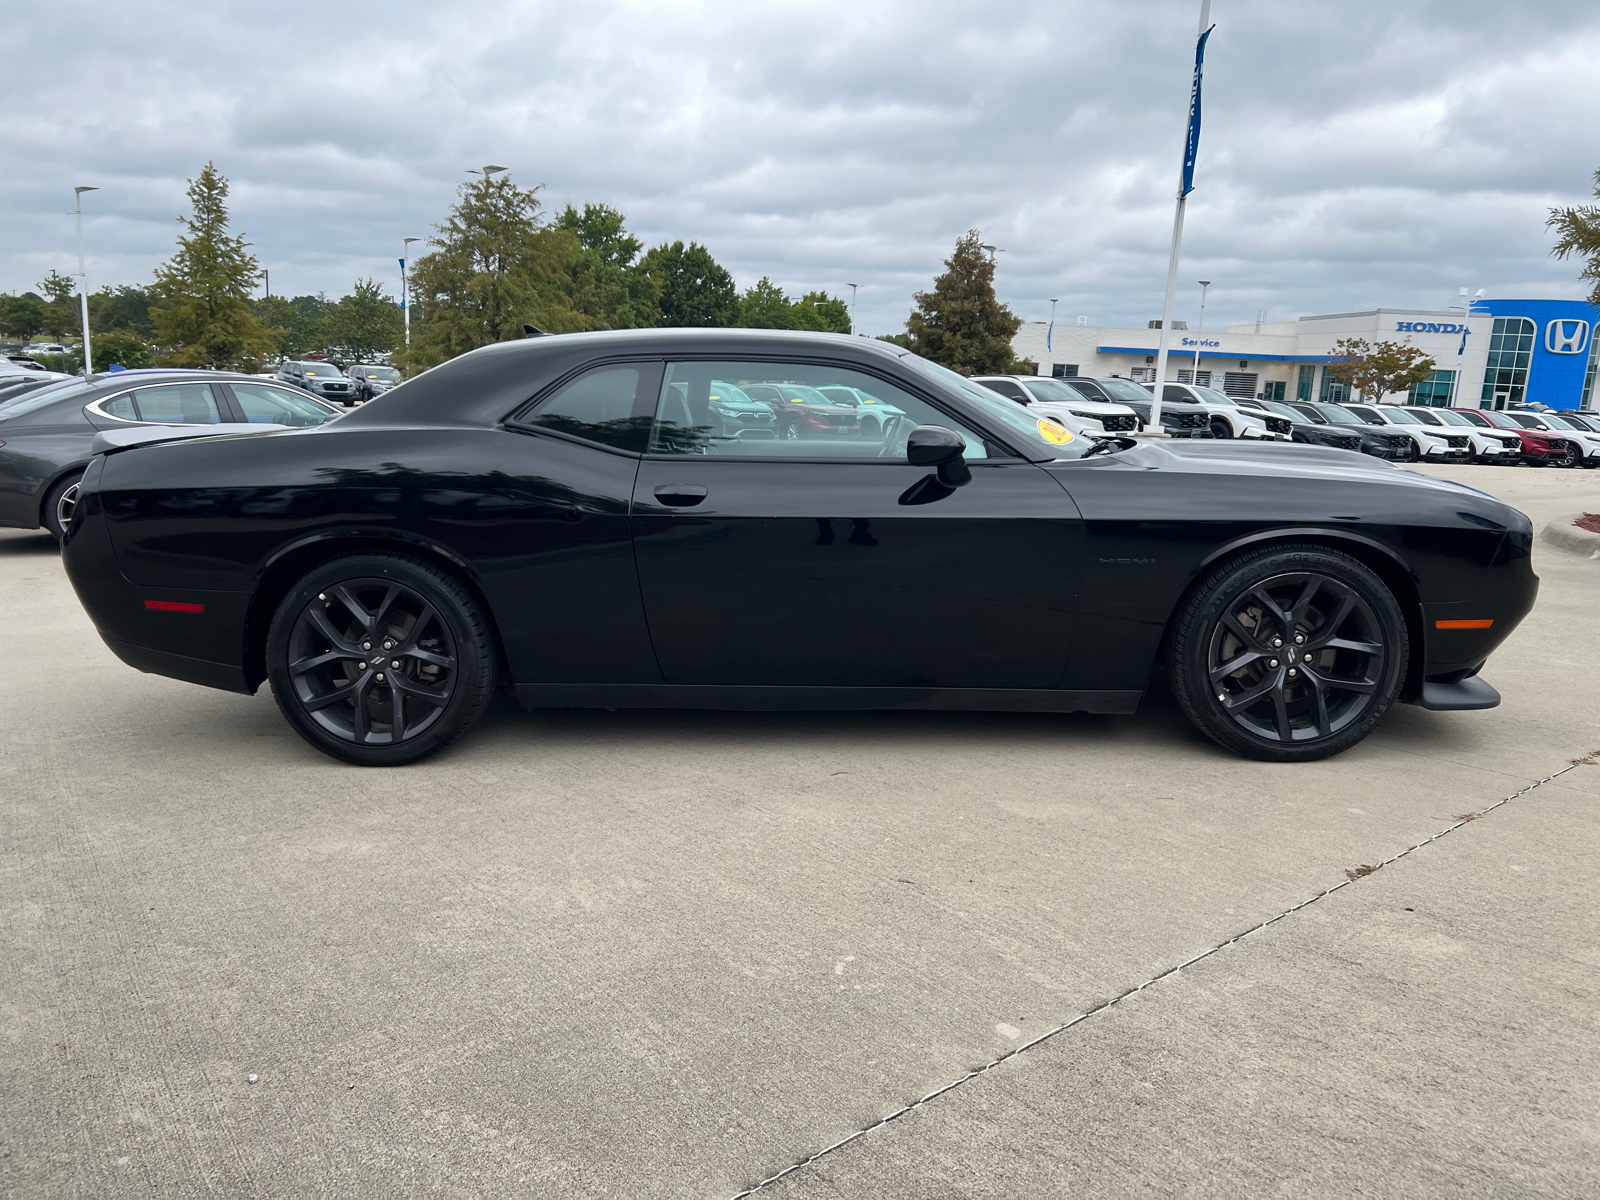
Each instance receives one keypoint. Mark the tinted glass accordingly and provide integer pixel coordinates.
(1307, 413)
(599, 407)
(1525, 421)
(122, 407)
(1283, 410)
(1422, 417)
(1008, 388)
(1339, 416)
(1365, 415)
(694, 417)
(322, 370)
(1399, 416)
(1445, 417)
(264, 405)
(383, 374)
(30, 401)
(1126, 389)
(1031, 434)
(1496, 418)
(1472, 418)
(1557, 422)
(177, 404)
(1213, 396)
(1054, 391)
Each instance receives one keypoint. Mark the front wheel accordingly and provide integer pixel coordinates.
(1571, 458)
(1289, 653)
(380, 659)
(1220, 428)
(791, 431)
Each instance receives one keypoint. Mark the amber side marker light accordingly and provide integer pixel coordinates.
(1484, 624)
(173, 606)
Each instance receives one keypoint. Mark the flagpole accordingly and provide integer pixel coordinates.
(1191, 144)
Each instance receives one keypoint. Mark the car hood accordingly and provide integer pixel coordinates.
(1098, 407)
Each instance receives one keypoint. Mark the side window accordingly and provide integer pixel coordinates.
(1172, 392)
(610, 405)
(1007, 388)
(1367, 415)
(177, 404)
(264, 405)
(122, 407)
(789, 410)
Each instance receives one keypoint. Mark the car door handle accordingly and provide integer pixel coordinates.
(681, 495)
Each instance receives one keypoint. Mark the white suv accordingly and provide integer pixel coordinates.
(1488, 445)
(1430, 442)
(1055, 399)
(1228, 420)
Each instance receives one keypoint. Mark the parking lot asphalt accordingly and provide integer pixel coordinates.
(673, 954)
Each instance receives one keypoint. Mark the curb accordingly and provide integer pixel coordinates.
(1564, 535)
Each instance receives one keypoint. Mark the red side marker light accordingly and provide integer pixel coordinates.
(1463, 624)
(173, 606)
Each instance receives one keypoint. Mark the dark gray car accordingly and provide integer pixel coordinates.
(46, 434)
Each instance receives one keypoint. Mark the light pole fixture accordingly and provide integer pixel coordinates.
(1195, 378)
(487, 171)
(852, 287)
(993, 250)
(405, 285)
(1050, 331)
(83, 278)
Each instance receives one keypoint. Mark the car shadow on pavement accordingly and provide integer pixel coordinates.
(21, 543)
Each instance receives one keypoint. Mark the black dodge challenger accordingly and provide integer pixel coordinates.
(591, 520)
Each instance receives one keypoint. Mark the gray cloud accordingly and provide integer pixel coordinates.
(1353, 155)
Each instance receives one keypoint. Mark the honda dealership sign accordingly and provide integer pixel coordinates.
(1566, 336)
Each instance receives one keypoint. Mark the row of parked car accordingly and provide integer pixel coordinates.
(355, 384)
(1400, 433)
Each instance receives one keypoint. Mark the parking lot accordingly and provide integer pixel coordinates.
(672, 954)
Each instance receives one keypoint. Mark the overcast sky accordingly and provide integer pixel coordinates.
(1354, 154)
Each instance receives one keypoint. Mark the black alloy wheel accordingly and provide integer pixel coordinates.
(59, 504)
(1289, 653)
(1220, 428)
(380, 659)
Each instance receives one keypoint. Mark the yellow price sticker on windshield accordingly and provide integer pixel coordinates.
(1056, 435)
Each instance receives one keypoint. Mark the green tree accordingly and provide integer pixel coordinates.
(21, 316)
(495, 267)
(204, 318)
(822, 312)
(764, 306)
(1378, 368)
(122, 307)
(1578, 232)
(696, 291)
(366, 322)
(960, 324)
(121, 347)
(608, 285)
(60, 310)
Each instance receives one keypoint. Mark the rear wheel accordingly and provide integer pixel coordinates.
(59, 504)
(1289, 653)
(380, 659)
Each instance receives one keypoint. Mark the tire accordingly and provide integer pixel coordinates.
(1413, 454)
(56, 512)
(1571, 458)
(334, 636)
(1256, 709)
(1220, 428)
(791, 431)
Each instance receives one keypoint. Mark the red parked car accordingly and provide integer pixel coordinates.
(804, 412)
(1538, 448)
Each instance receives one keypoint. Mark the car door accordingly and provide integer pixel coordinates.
(833, 562)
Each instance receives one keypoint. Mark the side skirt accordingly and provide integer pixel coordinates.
(778, 699)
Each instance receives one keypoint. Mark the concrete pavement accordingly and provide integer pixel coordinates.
(670, 954)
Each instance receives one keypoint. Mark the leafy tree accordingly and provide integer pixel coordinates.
(822, 312)
(1578, 232)
(608, 285)
(496, 266)
(1378, 368)
(696, 291)
(60, 311)
(122, 307)
(765, 306)
(21, 316)
(205, 318)
(366, 322)
(121, 347)
(960, 324)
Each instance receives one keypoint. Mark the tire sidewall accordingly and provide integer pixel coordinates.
(475, 659)
(52, 500)
(1189, 668)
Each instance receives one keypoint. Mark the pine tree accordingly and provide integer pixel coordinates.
(696, 291)
(60, 311)
(960, 324)
(204, 318)
(1578, 231)
(495, 267)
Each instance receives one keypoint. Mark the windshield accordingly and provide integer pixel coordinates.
(382, 374)
(1445, 417)
(1036, 435)
(723, 392)
(1212, 396)
(1525, 421)
(1423, 417)
(1558, 422)
(1124, 389)
(29, 401)
(1283, 410)
(323, 370)
(1307, 413)
(795, 394)
(1399, 416)
(1584, 423)
(1050, 390)
(1339, 416)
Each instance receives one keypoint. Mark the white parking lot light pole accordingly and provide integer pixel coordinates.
(83, 279)
(405, 285)
(1195, 377)
(852, 288)
(1191, 147)
(1467, 307)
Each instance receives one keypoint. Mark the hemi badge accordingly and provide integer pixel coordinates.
(173, 606)
(1463, 624)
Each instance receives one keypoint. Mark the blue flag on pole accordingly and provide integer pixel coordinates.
(1191, 147)
(1048, 333)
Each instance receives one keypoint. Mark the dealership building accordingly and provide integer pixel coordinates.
(1506, 352)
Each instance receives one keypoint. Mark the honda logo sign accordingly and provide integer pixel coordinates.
(1566, 336)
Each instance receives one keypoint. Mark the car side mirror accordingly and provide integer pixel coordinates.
(940, 448)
